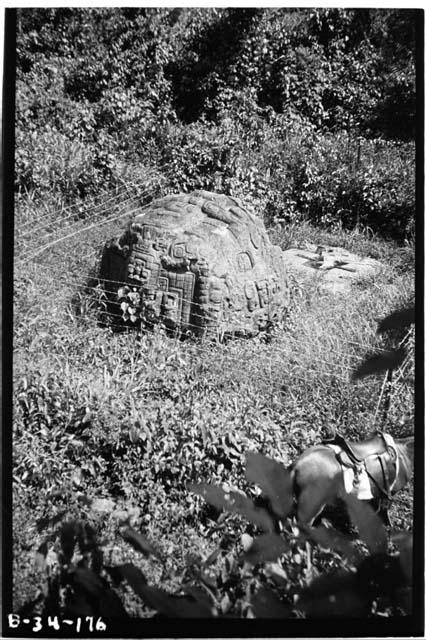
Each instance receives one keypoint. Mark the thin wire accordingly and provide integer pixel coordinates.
(402, 370)
(71, 235)
(52, 216)
(84, 286)
(187, 324)
(126, 283)
(101, 222)
(118, 193)
(60, 223)
(226, 353)
(212, 330)
(36, 225)
(382, 390)
(111, 219)
(409, 333)
(225, 350)
(365, 346)
(81, 259)
(84, 215)
(102, 204)
(24, 244)
(277, 349)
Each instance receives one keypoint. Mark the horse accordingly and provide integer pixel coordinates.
(318, 480)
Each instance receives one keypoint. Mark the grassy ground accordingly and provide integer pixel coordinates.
(132, 417)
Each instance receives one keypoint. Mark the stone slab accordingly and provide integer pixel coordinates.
(336, 268)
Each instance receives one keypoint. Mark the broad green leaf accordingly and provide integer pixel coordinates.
(212, 557)
(68, 533)
(108, 602)
(129, 572)
(43, 523)
(266, 604)
(209, 581)
(199, 595)
(141, 543)
(246, 541)
(276, 572)
(379, 363)
(225, 604)
(330, 538)
(234, 502)
(275, 481)
(371, 529)
(88, 580)
(175, 606)
(40, 557)
(397, 320)
(265, 548)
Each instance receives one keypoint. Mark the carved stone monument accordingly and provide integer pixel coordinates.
(197, 262)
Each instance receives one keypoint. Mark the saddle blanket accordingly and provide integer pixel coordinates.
(363, 489)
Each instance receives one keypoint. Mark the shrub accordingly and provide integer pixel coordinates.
(289, 171)
(357, 181)
(130, 419)
(274, 575)
(258, 93)
(50, 161)
(331, 65)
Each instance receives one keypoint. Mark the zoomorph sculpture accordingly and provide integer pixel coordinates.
(197, 262)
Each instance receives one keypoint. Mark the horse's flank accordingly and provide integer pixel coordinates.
(318, 477)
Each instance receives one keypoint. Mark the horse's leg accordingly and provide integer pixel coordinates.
(318, 481)
(310, 503)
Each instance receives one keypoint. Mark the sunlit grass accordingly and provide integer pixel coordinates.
(133, 417)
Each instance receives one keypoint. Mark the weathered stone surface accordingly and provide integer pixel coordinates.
(335, 268)
(196, 262)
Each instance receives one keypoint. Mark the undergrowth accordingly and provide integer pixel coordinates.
(305, 116)
(129, 418)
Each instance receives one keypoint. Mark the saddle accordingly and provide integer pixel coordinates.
(376, 455)
(359, 451)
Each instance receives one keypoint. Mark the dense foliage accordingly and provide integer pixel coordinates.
(309, 116)
(110, 427)
(271, 575)
(308, 113)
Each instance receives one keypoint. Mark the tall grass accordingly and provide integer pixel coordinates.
(134, 416)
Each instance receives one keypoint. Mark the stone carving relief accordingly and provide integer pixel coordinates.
(199, 262)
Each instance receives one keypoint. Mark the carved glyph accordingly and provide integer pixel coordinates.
(198, 261)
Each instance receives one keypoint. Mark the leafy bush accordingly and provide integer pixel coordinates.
(284, 108)
(358, 181)
(290, 172)
(49, 160)
(289, 111)
(132, 418)
(320, 62)
(274, 576)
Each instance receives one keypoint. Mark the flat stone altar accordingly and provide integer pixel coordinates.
(335, 268)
